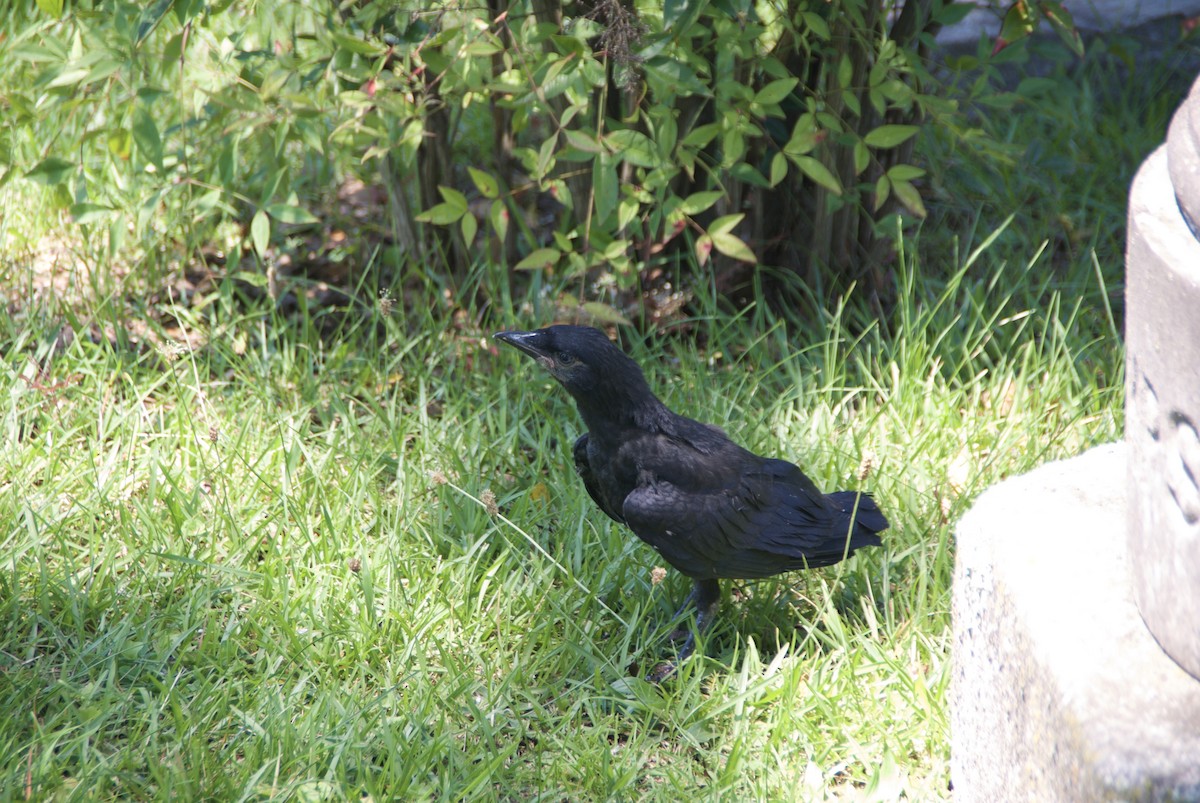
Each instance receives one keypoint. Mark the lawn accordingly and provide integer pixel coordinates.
(250, 553)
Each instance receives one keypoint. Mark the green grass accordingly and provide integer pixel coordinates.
(281, 564)
(275, 572)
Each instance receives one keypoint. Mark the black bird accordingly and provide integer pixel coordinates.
(712, 509)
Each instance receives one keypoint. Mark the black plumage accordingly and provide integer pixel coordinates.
(712, 509)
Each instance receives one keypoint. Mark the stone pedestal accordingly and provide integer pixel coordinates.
(1059, 692)
(1163, 387)
(1077, 586)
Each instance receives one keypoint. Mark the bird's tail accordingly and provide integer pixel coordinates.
(861, 518)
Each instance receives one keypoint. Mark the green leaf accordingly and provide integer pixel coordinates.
(910, 197)
(485, 182)
(1063, 24)
(498, 217)
(904, 172)
(260, 232)
(697, 202)
(470, 227)
(862, 157)
(251, 278)
(634, 147)
(701, 135)
(779, 168)
(353, 44)
(889, 136)
(286, 213)
(440, 215)
(732, 246)
(604, 313)
(51, 8)
(584, 141)
(454, 199)
(883, 188)
(604, 186)
(85, 213)
(678, 15)
(51, 171)
(540, 259)
(725, 224)
(145, 135)
(1018, 23)
(818, 173)
(67, 78)
(776, 91)
(150, 17)
(816, 23)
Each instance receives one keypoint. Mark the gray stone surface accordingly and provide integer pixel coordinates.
(1059, 691)
(1183, 159)
(1162, 426)
(1093, 16)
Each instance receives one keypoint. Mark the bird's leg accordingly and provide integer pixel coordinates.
(706, 597)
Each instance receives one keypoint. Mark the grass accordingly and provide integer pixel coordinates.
(285, 562)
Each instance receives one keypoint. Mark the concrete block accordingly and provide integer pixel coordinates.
(1059, 691)
(1162, 425)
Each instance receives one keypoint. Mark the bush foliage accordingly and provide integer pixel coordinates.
(593, 140)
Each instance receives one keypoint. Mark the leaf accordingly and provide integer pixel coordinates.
(704, 247)
(50, 171)
(67, 78)
(818, 173)
(816, 23)
(146, 137)
(910, 197)
(779, 168)
(1063, 24)
(678, 15)
(51, 8)
(470, 227)
(85, 213)
(454, 199)
(498, 217)
(604, 313)
(776, 91)
(697, 202)
(353, 44)
(251, 278)
(889, 136)
(725, 224)
(260, 232)
(883, 188)
(634, 147)
(150, 17)
(540, 259)
(485, 182)
(732, 246)
(440, 215)
(904, 172)
(701, 135)
(604, 185)
(286, 213)
(1018, 23)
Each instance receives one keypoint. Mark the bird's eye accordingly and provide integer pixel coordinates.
(565, 358)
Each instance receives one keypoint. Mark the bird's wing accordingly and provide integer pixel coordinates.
(769, 518)
(583, 468)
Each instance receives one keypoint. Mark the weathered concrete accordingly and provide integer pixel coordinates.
(1162, 427)
(1091, 16)
(1059, 690)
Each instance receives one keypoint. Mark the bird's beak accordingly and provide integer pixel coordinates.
(524, 341)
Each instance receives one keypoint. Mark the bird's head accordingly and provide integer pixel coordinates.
(579, 357)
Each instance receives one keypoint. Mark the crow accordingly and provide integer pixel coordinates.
(712, 509)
